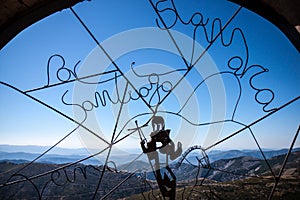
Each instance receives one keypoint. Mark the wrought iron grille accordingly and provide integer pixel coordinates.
(149, 92)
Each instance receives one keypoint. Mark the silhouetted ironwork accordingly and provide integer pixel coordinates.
(160, 143)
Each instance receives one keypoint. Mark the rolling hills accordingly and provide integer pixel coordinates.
(232, 178)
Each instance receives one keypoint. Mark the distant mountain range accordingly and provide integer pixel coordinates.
(58, 155)
(231, 178)
(268, 153)
(123, 159)
(22, 157)
(40, 149)
(215, 156)
(225, 170)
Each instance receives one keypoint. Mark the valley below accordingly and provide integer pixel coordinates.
(234, 177)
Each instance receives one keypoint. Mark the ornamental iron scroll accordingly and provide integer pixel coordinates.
(148, 94)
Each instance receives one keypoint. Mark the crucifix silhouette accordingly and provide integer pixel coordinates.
(161, 143)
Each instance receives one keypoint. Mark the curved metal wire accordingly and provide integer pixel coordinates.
(60, 177)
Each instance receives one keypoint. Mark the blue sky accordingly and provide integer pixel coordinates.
(23, 64)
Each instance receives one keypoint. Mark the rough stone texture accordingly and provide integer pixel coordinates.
(11, 8)
(16, 15)
(289, 9)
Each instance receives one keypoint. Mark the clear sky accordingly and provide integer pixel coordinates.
(225, 96)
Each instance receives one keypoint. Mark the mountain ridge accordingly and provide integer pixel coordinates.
(121, 158)
(224, 176)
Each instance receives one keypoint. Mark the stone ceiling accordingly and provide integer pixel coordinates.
(16, 15)
(289, 9)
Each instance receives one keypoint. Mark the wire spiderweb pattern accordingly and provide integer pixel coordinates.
(238, 67)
